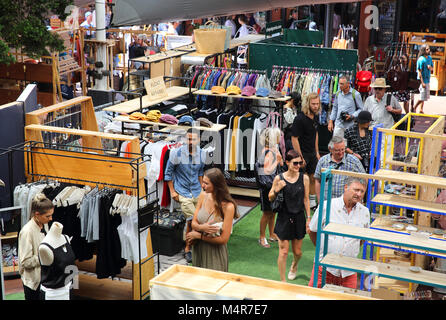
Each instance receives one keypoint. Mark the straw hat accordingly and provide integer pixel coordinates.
(379, 83)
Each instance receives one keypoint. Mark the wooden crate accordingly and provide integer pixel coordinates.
(185, 282)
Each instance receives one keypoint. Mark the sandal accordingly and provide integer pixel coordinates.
(264, 243)
(273, 239)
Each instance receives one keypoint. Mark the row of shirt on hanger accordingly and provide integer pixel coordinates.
(305, 82)
(289, 80)
(206, 78)
(80, 208)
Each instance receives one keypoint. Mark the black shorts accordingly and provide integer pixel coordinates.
(311, 162)
(265, 204)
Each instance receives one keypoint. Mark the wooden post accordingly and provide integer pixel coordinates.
(429, 166)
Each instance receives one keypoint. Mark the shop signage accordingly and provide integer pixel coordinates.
(156, 88)
(274, 28)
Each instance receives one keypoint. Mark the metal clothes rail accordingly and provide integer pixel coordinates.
(147, 215)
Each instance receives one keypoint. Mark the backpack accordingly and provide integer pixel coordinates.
(396, 117)
(264, 181)
(363, 81)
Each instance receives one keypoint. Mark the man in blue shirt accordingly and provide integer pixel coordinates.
(424, 68)
(184, 176)
(338, 160)
(346, 107)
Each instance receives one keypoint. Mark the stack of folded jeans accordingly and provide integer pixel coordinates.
(9, 253)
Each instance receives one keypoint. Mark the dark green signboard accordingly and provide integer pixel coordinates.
(274, 28)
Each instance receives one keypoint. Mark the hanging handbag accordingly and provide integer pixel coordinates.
(212, 25)
(396, 76)
(210, 40)
(335, 42)
(397, 79)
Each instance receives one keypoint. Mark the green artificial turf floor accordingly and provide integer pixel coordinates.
(247, 257)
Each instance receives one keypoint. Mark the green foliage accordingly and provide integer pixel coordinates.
(22, 26)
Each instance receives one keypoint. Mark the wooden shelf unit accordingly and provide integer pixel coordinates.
(387, 270)
(398, 240)
(9, 235)
(12, 270)
(407, 203)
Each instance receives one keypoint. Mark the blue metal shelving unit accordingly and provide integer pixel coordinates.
(402, 239)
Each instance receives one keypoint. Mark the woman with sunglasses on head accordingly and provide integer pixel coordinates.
(294, 212)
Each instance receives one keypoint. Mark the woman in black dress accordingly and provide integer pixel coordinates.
(292, 217)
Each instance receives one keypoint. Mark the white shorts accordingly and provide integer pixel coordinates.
(425, 93)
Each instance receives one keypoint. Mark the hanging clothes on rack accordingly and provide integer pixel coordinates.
(24, 193)
(306, 80)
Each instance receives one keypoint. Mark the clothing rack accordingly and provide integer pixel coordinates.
(35, 151)
(233, 69)
(312, 69)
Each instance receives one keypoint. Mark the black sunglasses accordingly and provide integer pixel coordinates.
(379, 89)
(295, 163)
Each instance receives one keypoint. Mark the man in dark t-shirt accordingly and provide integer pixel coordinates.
(305, 138)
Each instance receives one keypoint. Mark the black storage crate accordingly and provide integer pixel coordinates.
(167, 236)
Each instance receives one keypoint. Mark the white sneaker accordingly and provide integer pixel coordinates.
(292, 274)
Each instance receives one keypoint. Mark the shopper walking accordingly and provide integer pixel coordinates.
(270, 160)
(305, 139)
(292, 217)
(212, 223)
(291, 109)
(184, 176)
(336, 159)
(359, 139)
(424, 68)
(30, 237)
(382, 105)
(347, 210)
(346, 106)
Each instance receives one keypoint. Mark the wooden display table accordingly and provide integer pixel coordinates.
(185, 282)
(134, 104)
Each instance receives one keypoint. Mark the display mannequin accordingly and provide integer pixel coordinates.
(56, 254)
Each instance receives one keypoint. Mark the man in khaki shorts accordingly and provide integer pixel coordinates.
(184, 175)
(424, 68)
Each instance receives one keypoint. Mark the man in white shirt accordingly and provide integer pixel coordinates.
(348, 210)
(382, 106)
(379, 108)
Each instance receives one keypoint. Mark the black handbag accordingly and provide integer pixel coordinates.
(277, 204)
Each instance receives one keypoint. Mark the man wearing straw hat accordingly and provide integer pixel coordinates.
(379, 107)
